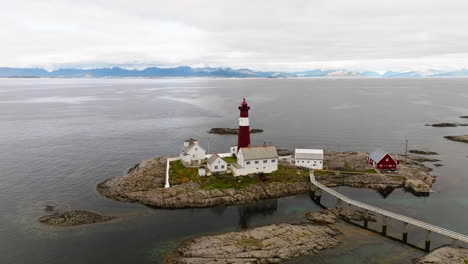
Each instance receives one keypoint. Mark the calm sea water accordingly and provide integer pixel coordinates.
(60, 137)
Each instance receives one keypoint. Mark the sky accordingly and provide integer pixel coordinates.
(290, 35)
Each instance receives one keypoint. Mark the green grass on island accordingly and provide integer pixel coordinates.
(181, 174)
(230, 159)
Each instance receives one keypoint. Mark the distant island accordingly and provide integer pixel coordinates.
(231, 131)
(185, 71)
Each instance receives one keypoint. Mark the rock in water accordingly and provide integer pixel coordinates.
(423, 152)
(267, 244)
(231, 131)
(73, 218)
(444, 255)
(463, 138)
(445, 125)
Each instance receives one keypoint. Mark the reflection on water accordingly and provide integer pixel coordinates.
(260, 208)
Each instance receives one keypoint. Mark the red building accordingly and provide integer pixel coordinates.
(382, 160)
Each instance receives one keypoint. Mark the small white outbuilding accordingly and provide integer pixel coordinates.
(216, 164)
(309, 158)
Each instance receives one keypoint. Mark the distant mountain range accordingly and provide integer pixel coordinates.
(185, 71)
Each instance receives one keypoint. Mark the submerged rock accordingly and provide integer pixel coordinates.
(423, 152)
(267, 244)
(463, 138)
(231, 131)
(73, 218)
(444, 255)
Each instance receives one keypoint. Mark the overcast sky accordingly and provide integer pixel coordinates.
(262, 35)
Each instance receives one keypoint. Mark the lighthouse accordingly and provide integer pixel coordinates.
(243, 140)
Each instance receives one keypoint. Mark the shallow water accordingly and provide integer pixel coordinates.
(59, 137)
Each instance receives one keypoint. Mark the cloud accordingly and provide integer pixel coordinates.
(263, 35)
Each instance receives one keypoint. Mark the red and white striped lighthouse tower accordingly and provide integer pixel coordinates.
(243, 141)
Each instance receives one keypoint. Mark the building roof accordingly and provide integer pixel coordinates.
(377, 154)
(311, 154)
(263, 152)
(192, 142)
(213, 158)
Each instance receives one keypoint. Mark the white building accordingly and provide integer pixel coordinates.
(201, 171)
(309, 158)
(262, 159)
(192, 153)
(233, 150)
(216, 164)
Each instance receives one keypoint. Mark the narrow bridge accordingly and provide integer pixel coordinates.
(387, 214)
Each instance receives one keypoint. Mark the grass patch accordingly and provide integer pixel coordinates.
(230, 159)
(321, 172)
(180, 174)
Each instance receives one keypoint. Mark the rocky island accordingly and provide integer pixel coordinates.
(144, 183)
(231, 131)
(463, 138)
(443, 255)
(422, 152)
(73, 218)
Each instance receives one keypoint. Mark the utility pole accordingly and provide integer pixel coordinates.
(406, 149)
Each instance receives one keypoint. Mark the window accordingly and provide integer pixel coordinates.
(308, 161)
(256, 162)
(216, 167)
(196, 149)
(222, 166)
(265, 161)
(248, 162)
(193, 155)
(386, 159)
(273, 161)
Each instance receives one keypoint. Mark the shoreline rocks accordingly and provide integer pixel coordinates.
(443, 255)
(231, 131)
(463, 138)
(74, 218)
(267, 244)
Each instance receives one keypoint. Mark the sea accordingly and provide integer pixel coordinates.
(61, 137)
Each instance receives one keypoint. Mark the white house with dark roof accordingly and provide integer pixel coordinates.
(263, 159)
(192, 153)
(216, 164)
(309, 158)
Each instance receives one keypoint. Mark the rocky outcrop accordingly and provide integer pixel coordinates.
(423, 152)
(463, 138)
(73, 218)
(360, 180)
(284, 152)
(444, 255)
(231, 131)
(330, 216)
(268, 244)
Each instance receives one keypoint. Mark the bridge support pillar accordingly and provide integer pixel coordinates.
(318, 195)
(454, 242)
(366, 215)
(427, 246)
(338, 203)
(405, 233)
(384, 225)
